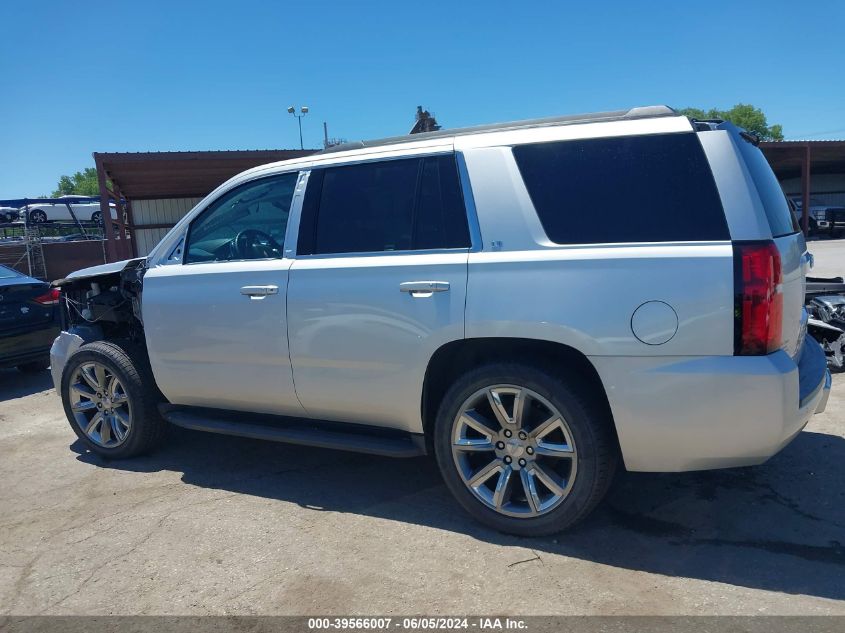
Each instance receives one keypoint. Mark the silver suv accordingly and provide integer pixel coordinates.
(528, 302)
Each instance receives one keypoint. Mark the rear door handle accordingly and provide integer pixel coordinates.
(259, 292)
(423, 288)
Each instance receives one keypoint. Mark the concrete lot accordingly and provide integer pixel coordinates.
(220, 525)
(829, 257)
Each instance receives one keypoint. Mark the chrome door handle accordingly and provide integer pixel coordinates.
(423, 288)
(259, 292)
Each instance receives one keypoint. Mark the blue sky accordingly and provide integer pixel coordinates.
(150, 76)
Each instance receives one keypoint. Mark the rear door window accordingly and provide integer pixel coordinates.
(396, 205)
(653, 188)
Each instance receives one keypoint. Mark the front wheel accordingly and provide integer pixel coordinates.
(97, 217)
(37, 217)
(110, 400)
(522, 450)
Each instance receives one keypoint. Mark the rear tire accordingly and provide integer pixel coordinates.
(530, 502)
(97, 217)
(112, 380)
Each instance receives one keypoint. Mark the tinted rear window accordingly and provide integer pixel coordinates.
(781, 220)
(655, 188)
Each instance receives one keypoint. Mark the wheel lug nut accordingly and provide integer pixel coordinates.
(529, 450)
(99, 405)
(500, 445)
(99, 395)
(508, 433)
(522, 435)
(508, 459)
(522, 462)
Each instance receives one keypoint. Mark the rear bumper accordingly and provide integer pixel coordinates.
(697, 413)
(27, 346)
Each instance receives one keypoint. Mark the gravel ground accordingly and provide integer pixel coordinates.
(220, 525)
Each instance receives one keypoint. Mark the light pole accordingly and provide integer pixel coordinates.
(302, 112)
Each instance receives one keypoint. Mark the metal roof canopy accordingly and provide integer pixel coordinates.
(181, 174)
(791, 159)
(788, 157)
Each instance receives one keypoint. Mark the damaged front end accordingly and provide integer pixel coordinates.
(98, 303)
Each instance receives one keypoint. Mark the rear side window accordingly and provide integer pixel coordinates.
(781, 220)
(440, 218)
(654, 188)
(396, 205)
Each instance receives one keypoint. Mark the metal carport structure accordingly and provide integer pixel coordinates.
(792, 159)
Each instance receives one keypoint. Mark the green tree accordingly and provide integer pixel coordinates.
(745, 116)
(82, 183)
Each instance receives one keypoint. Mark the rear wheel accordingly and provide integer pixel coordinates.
(110, 399)
(522, 450)
(97, 217)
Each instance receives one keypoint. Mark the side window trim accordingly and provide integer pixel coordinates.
(295, 218)
(475, 237)
(186, 238)
(307, 219)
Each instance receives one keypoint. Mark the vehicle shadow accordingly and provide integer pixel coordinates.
(16, 384)
(775, 527)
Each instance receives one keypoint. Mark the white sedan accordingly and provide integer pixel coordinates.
(49, 211)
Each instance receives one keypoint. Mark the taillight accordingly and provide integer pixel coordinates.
(51, 298)
(758, 306)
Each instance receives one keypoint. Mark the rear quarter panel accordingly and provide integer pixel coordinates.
(522, 285)
(586, 297)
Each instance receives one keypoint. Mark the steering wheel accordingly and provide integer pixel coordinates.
(255, 244)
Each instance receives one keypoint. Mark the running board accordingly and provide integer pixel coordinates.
(348, 437)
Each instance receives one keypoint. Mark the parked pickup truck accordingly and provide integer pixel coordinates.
(822, 217)
(529, 302)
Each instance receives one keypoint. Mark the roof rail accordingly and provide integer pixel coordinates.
(643, 112)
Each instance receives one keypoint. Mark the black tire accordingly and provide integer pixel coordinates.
(37, 216)
(97, 217)
(588, 420)
(129, 363)
(35, 366)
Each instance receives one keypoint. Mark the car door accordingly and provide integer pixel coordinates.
(379, 283)
(215, 320)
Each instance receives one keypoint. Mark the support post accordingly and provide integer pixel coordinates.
(117, 194)
(805, 191)
(105, 210)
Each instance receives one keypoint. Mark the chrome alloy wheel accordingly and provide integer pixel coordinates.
(100, 405)
(514, 451)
